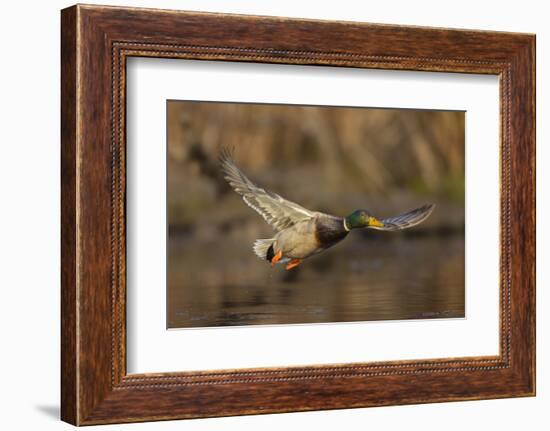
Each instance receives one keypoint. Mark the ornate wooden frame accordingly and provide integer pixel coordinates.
(95, 43)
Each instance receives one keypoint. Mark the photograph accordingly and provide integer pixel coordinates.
(293, 214)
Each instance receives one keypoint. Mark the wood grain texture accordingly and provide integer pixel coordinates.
(69, 366)
(96, 41)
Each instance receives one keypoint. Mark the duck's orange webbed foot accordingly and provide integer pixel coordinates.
(293, 263)
(276, 258)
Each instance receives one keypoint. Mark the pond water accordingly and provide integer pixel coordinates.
(365, 278)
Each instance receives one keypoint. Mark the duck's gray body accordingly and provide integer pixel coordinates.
(306, 238)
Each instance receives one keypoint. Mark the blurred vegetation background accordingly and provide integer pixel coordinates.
(331, 159)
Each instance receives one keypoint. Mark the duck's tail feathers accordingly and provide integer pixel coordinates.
(264, 248)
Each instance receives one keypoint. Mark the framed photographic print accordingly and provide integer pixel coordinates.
(265, 215)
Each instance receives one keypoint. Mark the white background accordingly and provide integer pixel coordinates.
(29, 219)
(151, 348)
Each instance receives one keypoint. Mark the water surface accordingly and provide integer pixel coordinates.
(374, 276)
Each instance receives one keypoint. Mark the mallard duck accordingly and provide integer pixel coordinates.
(301, 233)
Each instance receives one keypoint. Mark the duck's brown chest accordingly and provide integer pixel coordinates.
(329, 231)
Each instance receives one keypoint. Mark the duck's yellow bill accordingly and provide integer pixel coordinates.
(375, 222)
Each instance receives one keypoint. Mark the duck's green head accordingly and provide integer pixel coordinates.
(361, 218)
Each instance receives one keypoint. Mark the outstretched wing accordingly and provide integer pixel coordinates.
(277, 211)
(406, 220)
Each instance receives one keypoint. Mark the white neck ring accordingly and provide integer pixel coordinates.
(346, 226)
